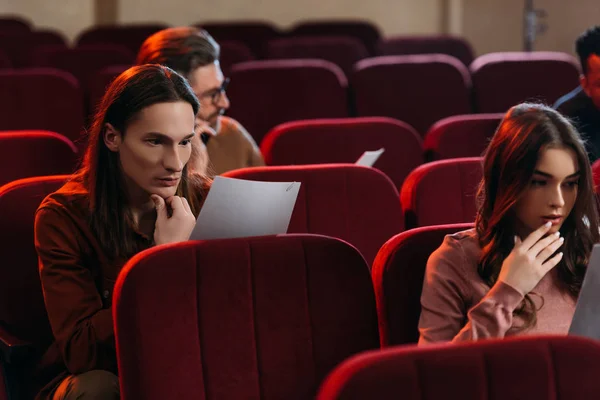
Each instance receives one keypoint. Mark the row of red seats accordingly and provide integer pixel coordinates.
(419, 90)
(256, 36)
(34, 153)
(219, 303)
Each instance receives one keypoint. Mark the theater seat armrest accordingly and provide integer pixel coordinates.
(13, 349)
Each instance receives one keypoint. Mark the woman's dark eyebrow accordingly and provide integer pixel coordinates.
(547, 175)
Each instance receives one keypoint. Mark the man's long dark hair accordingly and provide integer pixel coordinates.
(101, 174)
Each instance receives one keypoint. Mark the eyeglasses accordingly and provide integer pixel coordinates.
(215, 95)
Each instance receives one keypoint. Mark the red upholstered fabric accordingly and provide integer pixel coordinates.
(4, 60)
(532, 368)
(264, 94)
(19, 46)
(131, 36)
(442, 192)
(502, 80)
(460, 136)
(14, 24)
(453, 46)
(21, 304)
(397, 273)
(99, 83)
(344, 141)
(40, 98)
(251, 318)
(365, 31)
(357, 204)
(418, 89)
(82, 61)
(596, 171)
(343, 51)
(22, 310)
(233, 52)
(254, 34)
(24, 154)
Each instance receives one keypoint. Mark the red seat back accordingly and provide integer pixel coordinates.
(536, 368)
(99, 83)
(502, 80)
(131, 36)
(254, 34)
(357, 204)
(343, 51)
(365, 31)
(264, 318)
(40, 98)
(22, 310)
(460, 136)
(397, 273)
(24, 154)
(344, 141)
(442, 192)
(82, 61)
(418, 90)
(432, 44)
(233, 52)
(264, 94)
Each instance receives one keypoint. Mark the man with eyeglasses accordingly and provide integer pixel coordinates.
(195, 54)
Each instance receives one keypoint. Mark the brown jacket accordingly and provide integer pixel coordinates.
(77, 281)
(232, 148)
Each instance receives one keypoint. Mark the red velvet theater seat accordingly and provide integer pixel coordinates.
(254, 34)
(343, 51)
(417, 89)
(502, 80)
(532, 368)
(25, 154)
(344, 141)
(14, 24)
(431, 44)
(460, 136)
(397, 273)
(252, 318)
(19, 46)
(40, 98)
(24, 329)
(357, 204)
(233, 52)
(596, 171)
(99, 83)
(442, 192)
(84, 60)
(129, 35)
(365, 31)
(264, 94)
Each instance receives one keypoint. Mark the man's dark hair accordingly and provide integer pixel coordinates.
(587, 44)
(182, 49)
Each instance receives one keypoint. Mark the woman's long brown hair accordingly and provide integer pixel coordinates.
(508, 166)
(100, 173)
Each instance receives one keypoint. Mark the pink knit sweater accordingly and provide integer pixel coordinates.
(457, 305)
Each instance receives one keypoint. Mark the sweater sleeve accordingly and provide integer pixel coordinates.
(445, 314)
(255, 158)
(81, 326)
